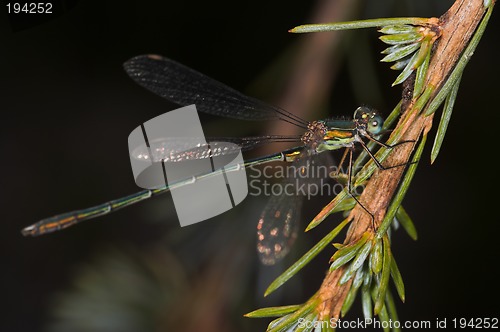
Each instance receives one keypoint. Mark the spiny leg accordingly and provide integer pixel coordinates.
(379, 165)
(337, 172)
(350, 189)
(387, 146)
(372, 156)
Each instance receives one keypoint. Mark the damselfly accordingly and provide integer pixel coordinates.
(185, 86)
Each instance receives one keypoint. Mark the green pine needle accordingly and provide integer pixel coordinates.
(273, 311)
(306, 258)
(348, 252)
(445, 119)
(398, 280)
(460, 66)
(360, 24)
(405, 184)
(400, 52)
(384, 277)
(405, 220)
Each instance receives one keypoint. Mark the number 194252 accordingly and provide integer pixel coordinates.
(475, 323)
(29, 8)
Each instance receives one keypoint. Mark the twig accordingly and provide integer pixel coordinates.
(458, 25)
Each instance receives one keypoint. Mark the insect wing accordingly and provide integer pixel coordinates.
(185, 86)
(277, 228)
(278, 224)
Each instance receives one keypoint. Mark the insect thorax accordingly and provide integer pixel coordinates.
(316, 130)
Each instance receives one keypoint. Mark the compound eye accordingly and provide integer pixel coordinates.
(375, 125)
(362, 113)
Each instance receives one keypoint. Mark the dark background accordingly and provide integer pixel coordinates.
(67, 109)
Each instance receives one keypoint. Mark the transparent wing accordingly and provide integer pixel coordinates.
(181, 149)
(278, 224)
(185, 86)
(277, 228)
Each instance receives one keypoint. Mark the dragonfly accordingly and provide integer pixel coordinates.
(185, 86)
